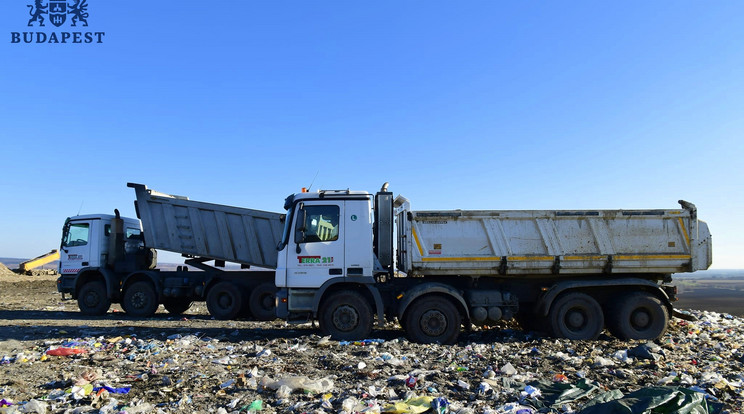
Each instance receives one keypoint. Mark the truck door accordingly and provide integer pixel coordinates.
(358, 256)
(317, 253)
(75, 252)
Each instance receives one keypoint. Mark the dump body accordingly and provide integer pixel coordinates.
(39, 261)
(521, 243)
(206, 230)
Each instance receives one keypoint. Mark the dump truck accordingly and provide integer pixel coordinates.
(46, 258)
(112, 259)
(348, 259)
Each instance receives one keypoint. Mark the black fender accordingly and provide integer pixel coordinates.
(144, 275)
(359, 283)
(208, 284)
(427, 288)
(542, 307)
(92, 273)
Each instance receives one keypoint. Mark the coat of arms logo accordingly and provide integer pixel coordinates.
(57, 12)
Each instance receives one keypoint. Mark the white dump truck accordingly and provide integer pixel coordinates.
(109, 259)
(347, 258)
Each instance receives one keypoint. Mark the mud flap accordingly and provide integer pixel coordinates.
(682, 315)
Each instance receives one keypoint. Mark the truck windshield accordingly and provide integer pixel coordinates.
(76, 234)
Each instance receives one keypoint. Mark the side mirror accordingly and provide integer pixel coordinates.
(299, 238)
(299, 235)
(65, 231)
(300, 225)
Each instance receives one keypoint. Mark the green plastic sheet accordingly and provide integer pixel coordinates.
(652, 400)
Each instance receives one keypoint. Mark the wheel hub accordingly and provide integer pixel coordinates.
(433, 322)
(91, 299)
(345, 318)
(267, 302)
(138, 300)
(640, 319)
(575, 319)
(224, 301)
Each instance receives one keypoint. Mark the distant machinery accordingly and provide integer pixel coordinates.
(38, 261)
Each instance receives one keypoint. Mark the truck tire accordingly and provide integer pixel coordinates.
(261, 302)
(225, 301)
(576, 316)
(638, 315)
(431, 320)
(140, 299)
(176, 306)
(346, 315)
(92, 298)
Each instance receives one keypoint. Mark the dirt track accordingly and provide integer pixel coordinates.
(32, 309)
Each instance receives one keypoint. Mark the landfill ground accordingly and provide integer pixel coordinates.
(193, 364)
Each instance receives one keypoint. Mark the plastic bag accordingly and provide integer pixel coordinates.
(653, 400)
(63, 351)
(303, 383)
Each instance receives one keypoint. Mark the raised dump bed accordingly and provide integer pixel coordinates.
(206, 230)
(520, 243)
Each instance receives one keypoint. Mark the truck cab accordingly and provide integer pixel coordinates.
(328, 244)
(87, 240)
(95, 251)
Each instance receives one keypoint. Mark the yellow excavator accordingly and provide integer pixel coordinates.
(38, 261)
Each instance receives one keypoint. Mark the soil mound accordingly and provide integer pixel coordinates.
(4, 271)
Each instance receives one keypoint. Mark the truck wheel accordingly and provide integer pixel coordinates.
(432, 320)
(638, 315)
(176, 306)
(92, 298)
(225, 301)
(346, 315)
(576, 316)
(140, 299)
(261, 302)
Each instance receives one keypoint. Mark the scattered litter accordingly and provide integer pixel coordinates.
(302, 383)
(64, 351)
(508, 369)
(411, 381)
(695, 368)
(415, 405)
(113, 390)
(34, 406)
(255, 406)
(649, 400)
(363, 342)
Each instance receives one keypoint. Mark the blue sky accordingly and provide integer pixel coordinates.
(472, 105)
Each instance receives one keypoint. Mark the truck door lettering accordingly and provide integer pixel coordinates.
(314, 260)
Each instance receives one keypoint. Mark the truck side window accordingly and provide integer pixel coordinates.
(77, 235)
(321, 224)
(133, 234)
(132, 240)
